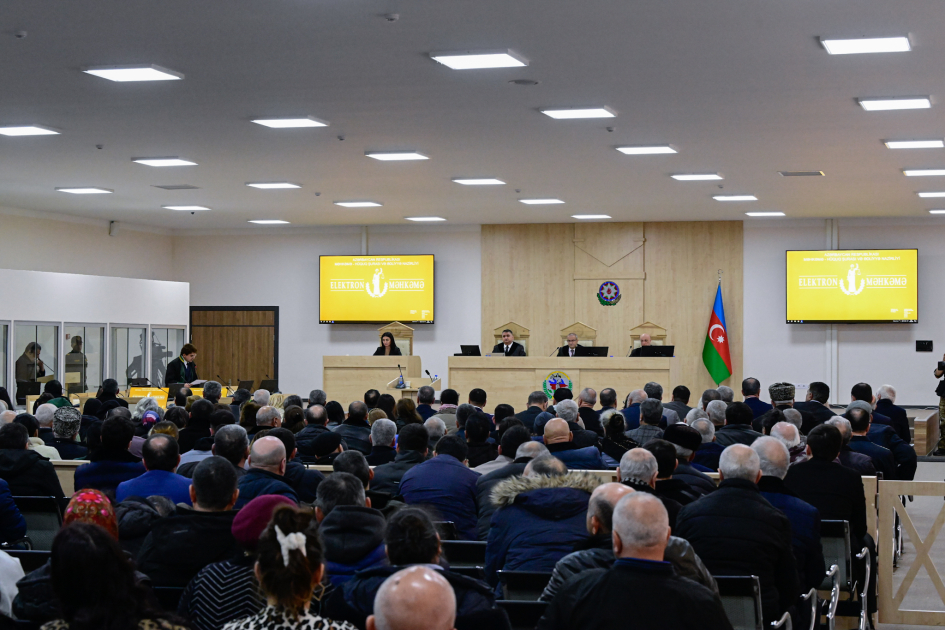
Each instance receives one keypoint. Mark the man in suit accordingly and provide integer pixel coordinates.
(680, 402)
(881, 457)
(863, 391)
(885, 436)
(509, 347)
(631, 413)
(537, 403)
(751, 390)
(815, 406)
(886, 406)
(586, 401)
(572, 349)
(644, 341)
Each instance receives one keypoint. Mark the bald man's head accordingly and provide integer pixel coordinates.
(417, 598)
(268, 453)
(7, 417)
(600, 508)
(557, 430)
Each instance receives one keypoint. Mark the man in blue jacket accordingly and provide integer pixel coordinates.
(445, 484)
(267, 466)
(111, 463)
(560, 442)
(885, 436)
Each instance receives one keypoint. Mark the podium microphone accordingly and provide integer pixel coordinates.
(555, 350)
(401, 384)
(428, 374)
(156, 387)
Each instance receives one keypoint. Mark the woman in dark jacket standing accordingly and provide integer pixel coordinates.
(387, 347)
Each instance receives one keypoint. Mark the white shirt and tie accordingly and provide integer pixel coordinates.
(507, 347)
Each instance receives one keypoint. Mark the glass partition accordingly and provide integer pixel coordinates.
(85, 361)
(4, 354)
(39, 361)
(128, 354)
(165, 347)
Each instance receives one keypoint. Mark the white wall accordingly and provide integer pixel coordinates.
(280, 268)
(877, 354)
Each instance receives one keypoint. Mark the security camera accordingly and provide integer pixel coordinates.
(19, 34)
(611, 129)
(392, 17)
(99, 146)
(342, 138)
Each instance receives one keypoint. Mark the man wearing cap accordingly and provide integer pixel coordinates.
(687, 441)
(782, 397)
(66, 423)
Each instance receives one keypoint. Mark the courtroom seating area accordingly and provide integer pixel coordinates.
(516, 505)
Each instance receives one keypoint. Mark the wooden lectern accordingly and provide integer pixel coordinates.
(520, 332)
(403, 336)
(412, 386)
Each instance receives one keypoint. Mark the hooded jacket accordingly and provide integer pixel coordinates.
(136, 517)
(29, 474)
(357, 436)
(576, 458)
(354, 541)
(537, 522)
(387, 476)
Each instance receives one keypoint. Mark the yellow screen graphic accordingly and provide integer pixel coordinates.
(853, 286)
(376, 289)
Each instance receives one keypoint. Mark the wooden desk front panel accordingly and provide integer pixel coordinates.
(510, 380)
(345, 379)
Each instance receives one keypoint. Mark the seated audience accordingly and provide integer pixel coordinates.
(680, 401)
(445, 485)
(539, 517)
(726, 394)
(586, 401)
(316, 421)
(355, 430)
(805, 519)
(512, 434)
(715, 411)
(178, 415)
(526, 452)
(886, 406)
(818, 394)
(35, 443)
(885, 436)
(261, 397)
(751, 392)
(198, 426)
(631, 408)
(240, 397)
(537, 403)
(371, 399)
(66, 424)
(436, 429)
(708, 396)
(110, 463)
(567, 410)
(336, 413)
(597, 551)
(651, 412)
(655, 390)
(383, 442)
(415, 598)
(178, 547)
(449, 402)
(229, 442)
(479, 447)
(12, 524)
(737, 532)
(301, 479)
(791, 437)
(737, 429)
(248, 415)
(405, 412)
(293, 417)
(638, 470)
(203, 448)
(136, 517)
(614, 443)
(640, 581)
(266, 474)
(160, 460)
(267, 417)
(353, 531)
(848, 458)
(462, 412)
(709, 451)
(666, 485)
(560, 442)
(881, 458)
(426, 396)
(411, 450)
(26, 472)
(166, 428)
(411, 539)
(686, 441)
(45, 414)
(289, 566)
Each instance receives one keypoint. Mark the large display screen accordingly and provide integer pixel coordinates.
(375, 289)
(853, 286)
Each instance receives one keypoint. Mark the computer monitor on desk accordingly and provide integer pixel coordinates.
(470, 351)
(657, 351)
(597, 351)
(248, 385)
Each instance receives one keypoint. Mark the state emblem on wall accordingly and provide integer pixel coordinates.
(608, 294)
(555, 381)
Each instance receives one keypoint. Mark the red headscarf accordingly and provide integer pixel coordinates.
(91, 506)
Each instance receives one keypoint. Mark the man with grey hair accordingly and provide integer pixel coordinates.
(261, 397)
(383, 438)
(737, 532)
(631, 410)
(317, 397)
(45, 414)
(598, 551)
(726, 394)
(572, 348)
(437, 429)
(709, 451)
(774, 460)
(715, 409)
(790, 436)
(416, 598)
(484, 485)
(886, 406)
(6, 417)
(696, 413)
(638, 470)
(267, 464)
(661, 598)
(426, 396)
(212, 391)
(567, 410)
(849, 458)
(655, 390)
(708, 396)
(651, 412)
(586, 401)
(266, 418)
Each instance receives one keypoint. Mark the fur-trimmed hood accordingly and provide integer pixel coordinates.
(510, 491)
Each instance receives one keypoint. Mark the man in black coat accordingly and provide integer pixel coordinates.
(411, 450)
(640, 586)
(573, 348)
(737, 429)
(817, 411)
(316, 421)
(266, 475)
(509, 347)
(886, 406)
(881, 457)
(537, 403)
(484, 485)
(686, 441)
(355, 430)
(28, 473)
(737, 532)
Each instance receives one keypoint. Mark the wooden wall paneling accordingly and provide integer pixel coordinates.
(256, 358)
(613, 323)
(682, 263)
(235, 344)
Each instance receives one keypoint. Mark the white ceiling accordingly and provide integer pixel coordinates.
(741, 87)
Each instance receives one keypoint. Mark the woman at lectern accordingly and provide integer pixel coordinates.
(387, 347)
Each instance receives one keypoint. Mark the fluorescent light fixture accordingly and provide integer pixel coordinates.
(272, 185)
(579, 112)
(358, 204)
(936, 211)
(926, 195)
(88, 190)
(801, 173)
(268, 221)
(469, 60)
(765, 214)
(866, 45)
(290, 123)
(480, 181)
(425, 219)
(647, 150)
(163, 161)
(540, 202)
(695, 177)
(915, 144)
(134, 73)
(395, 156)
(924, 172)
(28, 130)
(186, 208)
(735, 198)
(886, 104)
(590, 217)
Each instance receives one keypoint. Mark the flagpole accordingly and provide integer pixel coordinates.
(720, 276)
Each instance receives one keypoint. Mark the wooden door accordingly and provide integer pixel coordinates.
(236, 343)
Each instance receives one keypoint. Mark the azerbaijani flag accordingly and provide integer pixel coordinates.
(715, 352)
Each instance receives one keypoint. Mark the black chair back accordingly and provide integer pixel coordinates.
(447, 530)
(43, 519)
(835, 539)
(741, 599)
(523, 585)
(523, 615)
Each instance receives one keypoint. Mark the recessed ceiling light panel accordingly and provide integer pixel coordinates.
(696, 177)
(358, 204)
(866, 45)
(186, 208)
(268, 221)
(134, 73)
(425, 219)
(395, 156)
(290, 123)
(473, 60)
(590, 217)
(915, 144)
(887, 104)
(765, 214)
(570, 113)
(479, 181)
(87, 190)
(647, 150)
(735, 198)
(540, 202)
(936, 211)
(28, 130)
(801, 173)
(924, 172)
(163, 161)
(926, 195)
(176, 187)
(272, 185)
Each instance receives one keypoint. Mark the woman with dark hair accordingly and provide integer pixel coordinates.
(96, 585)
(386, 402)
(248, 415)
(405, 412)
(177, 415)
(336, 413)
(615, 443)
(294, 418)
(411, 539)
(388, 347)
(197, 427)
(289, 566)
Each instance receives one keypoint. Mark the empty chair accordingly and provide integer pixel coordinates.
(466, 557)
(523, 615)
(741, 599)
(835, 538)
(523, 585)
(43, 519)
